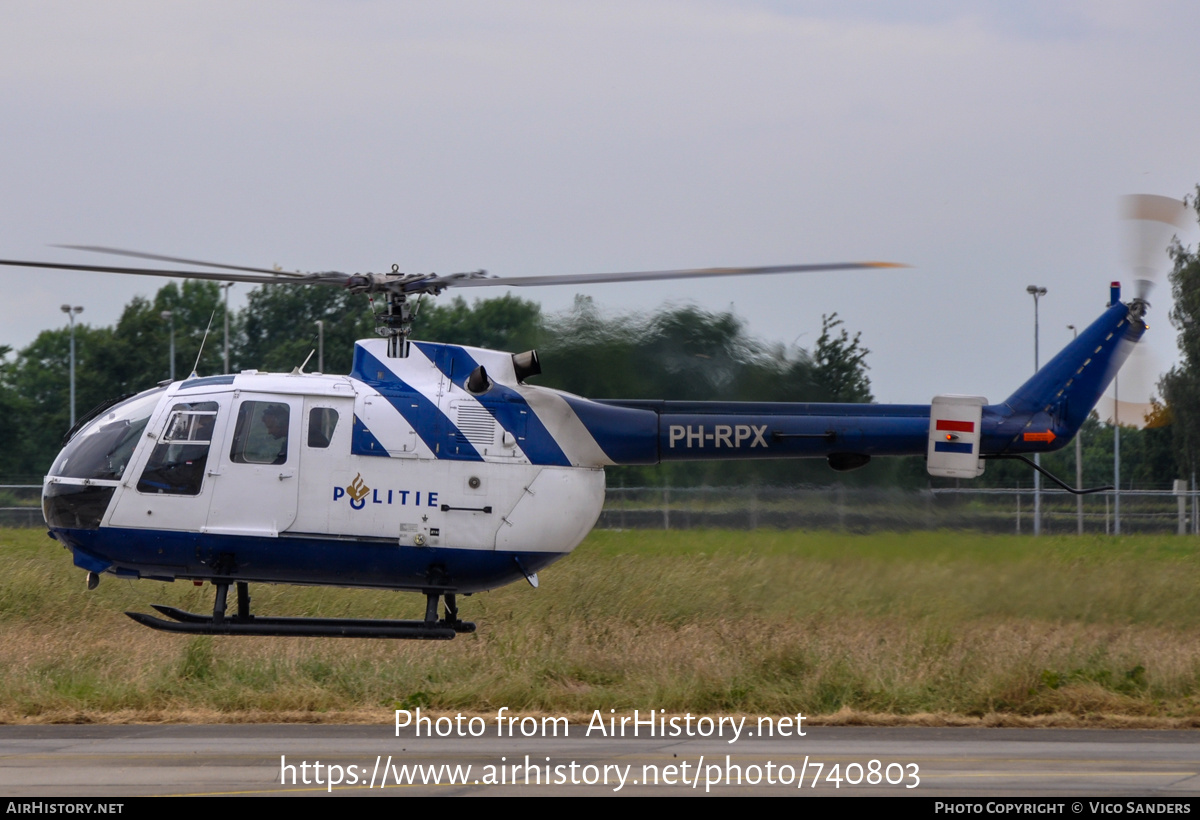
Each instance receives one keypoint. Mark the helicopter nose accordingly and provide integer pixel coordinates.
(75, 506)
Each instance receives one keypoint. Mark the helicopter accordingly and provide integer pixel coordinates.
(439, 469)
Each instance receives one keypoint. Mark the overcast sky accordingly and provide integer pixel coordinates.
(983, 143)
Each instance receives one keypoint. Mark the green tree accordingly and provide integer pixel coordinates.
(278, 327)
(138, 355)
(683, 353)
(677, 353)
(40, 378)
(16, 462)
(588, 354)
(502, 323)
(1181, 386)
(110, 362)
(841, 363)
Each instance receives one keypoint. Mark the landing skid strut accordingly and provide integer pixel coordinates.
(243, 623)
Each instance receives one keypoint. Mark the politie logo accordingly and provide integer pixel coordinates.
(358, 489)
(359, 493)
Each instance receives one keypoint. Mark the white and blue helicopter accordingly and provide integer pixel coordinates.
(438, 469)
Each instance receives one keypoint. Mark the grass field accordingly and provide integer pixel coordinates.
(922, 627)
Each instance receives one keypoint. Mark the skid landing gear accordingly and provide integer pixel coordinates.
(243, 623)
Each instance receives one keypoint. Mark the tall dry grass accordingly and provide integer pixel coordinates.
(959, 626)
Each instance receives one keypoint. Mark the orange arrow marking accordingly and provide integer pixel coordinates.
(1047, 436)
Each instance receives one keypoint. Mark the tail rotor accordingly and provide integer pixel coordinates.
(1148, 224)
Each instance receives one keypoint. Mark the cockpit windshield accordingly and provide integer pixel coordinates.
(102, 449)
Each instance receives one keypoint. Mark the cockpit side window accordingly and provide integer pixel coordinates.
(176, 466)
(322, 421)
(261, 434)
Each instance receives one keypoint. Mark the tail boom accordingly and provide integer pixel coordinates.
(1043, 414)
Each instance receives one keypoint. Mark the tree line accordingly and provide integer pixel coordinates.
(1181, 386)
(677, 352)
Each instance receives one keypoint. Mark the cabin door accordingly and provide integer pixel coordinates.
(258, 475)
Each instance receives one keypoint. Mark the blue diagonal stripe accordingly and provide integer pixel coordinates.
(424, 417)
(505, 404)
(363, 441)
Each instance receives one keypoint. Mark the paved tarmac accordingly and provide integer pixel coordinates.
(104, 761)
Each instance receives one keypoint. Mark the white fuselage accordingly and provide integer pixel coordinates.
(231, 475)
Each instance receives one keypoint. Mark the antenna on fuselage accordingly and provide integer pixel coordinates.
(202, 341)
(299, 371)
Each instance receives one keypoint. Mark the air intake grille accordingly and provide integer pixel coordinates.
(476, 426)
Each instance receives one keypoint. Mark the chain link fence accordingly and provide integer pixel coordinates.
(874, 509)
(21, 505)
(847, 509)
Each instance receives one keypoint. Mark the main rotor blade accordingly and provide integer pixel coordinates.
(645, 276)
(273, 278)
(161, 258)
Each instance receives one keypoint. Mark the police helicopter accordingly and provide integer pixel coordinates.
(439, 469)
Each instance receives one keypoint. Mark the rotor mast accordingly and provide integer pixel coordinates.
(395, 323)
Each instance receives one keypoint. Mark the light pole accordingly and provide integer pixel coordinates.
(169, 316)
(1078, 465)
(320, 345)
(71, 312)
(226, 286)
(1117, 453)
(1036, 293)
